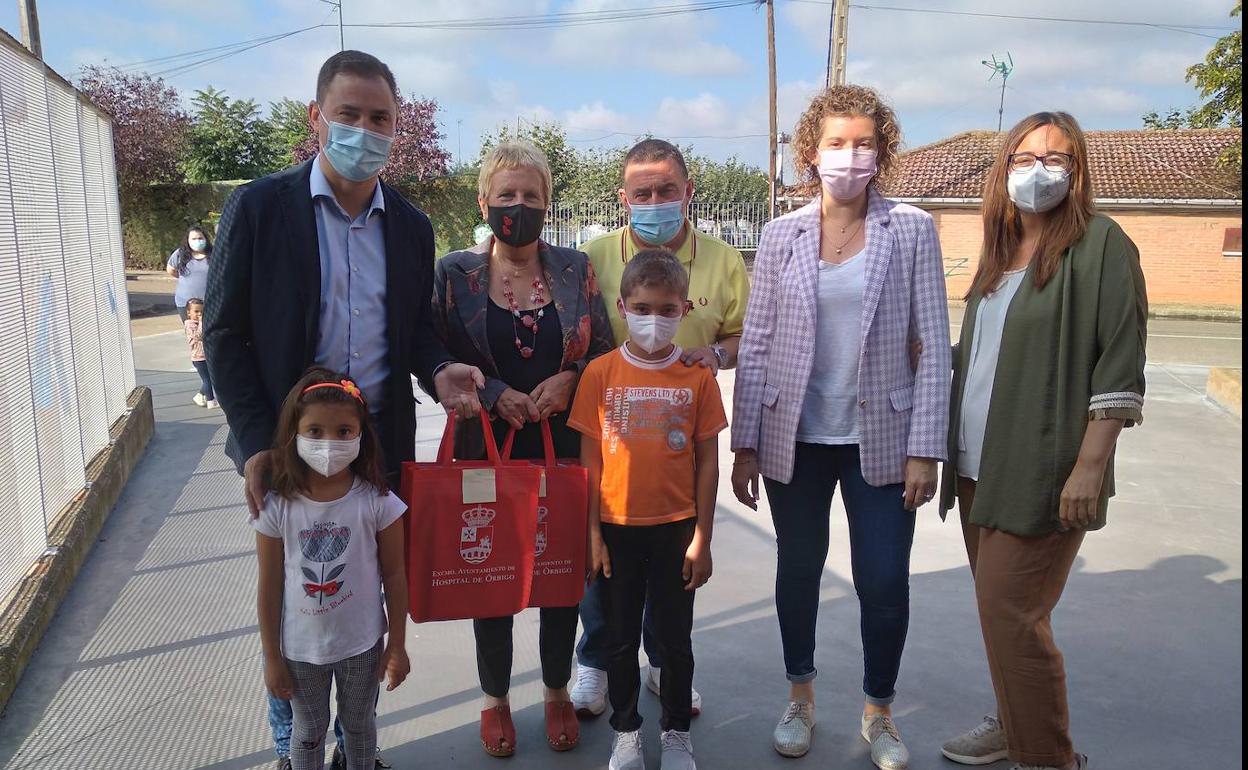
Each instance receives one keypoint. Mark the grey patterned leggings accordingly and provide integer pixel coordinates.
(356, 678)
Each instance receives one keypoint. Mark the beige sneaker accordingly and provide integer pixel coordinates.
(983, 744)
(792, 735)
(887, 750)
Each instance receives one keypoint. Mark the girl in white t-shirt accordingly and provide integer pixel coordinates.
(329, 539)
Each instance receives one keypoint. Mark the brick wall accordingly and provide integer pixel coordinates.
(1181, 254)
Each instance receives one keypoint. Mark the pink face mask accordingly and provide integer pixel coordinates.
(846, 173)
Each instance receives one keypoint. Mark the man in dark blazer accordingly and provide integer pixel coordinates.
(325, 264)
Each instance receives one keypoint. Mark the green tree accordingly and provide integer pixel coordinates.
(729, 181)
(228, 140)
(596, 178)
(1170, 121)
(289, 131)
(1219, 79)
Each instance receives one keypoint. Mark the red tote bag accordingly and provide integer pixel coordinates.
(471, 527)
(562, 511)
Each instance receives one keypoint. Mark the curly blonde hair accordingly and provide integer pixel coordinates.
(844, 101)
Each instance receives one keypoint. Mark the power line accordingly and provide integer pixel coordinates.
(1184, 28)
(202, 51)
(183, 69)
(565, 18)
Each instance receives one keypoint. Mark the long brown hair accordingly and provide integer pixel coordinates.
(290, 472)
(1064, 225)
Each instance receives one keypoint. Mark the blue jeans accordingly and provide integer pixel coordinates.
(881, 532)
(594, 648)
(281, 721)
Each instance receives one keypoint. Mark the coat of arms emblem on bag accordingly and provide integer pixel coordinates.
(542, 536)
(476, 540)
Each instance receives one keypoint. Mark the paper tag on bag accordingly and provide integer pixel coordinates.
(479, 486)
(541, 487)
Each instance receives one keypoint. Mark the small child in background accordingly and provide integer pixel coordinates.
(193, 326)
(329, 540)
(640, 410)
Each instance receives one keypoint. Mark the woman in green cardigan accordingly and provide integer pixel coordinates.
(1048, 371)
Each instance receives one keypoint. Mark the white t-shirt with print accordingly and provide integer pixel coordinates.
(332, 606)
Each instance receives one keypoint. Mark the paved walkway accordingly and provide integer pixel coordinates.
(153, 660)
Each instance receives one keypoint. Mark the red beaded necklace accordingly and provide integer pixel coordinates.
(537, 298)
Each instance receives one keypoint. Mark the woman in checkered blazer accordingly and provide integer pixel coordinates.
(826, 392)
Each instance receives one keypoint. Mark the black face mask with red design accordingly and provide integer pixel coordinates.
(517, 225)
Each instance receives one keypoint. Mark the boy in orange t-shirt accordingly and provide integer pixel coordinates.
(650, 429)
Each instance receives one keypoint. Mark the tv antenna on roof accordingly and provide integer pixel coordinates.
(1003, 67)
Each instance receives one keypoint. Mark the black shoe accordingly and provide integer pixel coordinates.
(283, 763)
(340, 762)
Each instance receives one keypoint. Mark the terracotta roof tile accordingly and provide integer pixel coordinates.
(1143, 164)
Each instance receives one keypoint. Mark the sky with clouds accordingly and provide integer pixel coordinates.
(700, 77)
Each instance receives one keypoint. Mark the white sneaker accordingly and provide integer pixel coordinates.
(626, 751)
(983, 744)
(589, 694)
(652, 684)
(677, 751)
(212, 404)
(199, 400)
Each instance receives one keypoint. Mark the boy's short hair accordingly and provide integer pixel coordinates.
(655, 269)
(195, 301)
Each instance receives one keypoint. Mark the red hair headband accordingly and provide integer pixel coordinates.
(346, 386)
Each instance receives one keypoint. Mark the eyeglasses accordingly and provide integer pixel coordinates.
(1053, 161)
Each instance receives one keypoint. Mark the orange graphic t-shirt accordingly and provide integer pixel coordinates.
(648, 415)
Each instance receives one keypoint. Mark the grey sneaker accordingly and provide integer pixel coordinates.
(677, 751)
(283, 763)
(1081, 763)
(792, 735)
(626, 752)
(887, 750)
(983, 744)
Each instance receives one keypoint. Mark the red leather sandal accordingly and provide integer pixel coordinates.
(563, 730)
(498, 734)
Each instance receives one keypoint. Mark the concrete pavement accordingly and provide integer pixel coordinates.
(153, 659)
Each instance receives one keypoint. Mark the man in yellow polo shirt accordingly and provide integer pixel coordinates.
(657, 191)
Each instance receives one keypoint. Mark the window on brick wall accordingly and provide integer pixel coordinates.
(1233, 242)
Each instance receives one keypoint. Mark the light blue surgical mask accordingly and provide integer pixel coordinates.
(356, 153)
(198, 244)
(657, 223)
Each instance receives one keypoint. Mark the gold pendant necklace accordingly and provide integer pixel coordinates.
(850, 238)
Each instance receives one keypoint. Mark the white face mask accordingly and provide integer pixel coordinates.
(1038, 189)
(327, 456)
(651, 333)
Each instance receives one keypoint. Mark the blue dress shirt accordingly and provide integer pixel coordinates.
(352, 335)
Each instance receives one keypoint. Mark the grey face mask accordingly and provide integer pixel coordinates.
(1038, 189)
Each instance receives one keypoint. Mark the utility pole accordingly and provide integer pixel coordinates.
(771, 111)
(342, 45)
(459, 131)
(29, 14)
(838, 43)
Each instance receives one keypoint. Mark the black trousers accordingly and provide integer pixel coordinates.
(555, 641)
(647, 562)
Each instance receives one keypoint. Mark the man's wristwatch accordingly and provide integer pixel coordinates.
(721, 355)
